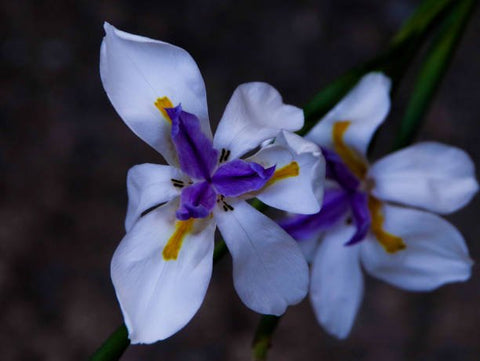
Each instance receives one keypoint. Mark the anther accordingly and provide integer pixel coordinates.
(224, 155)
(177, 183)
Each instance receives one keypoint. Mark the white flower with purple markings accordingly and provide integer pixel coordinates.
(381, 217)
(163, 265)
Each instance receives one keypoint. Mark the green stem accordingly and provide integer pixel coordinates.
(113, 347)
(433, 69)
(262, 340)
(393, 62)
(422, 17)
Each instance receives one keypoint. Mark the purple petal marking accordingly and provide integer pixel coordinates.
(361, 216)
(338, 171)
(335, 206)
(196, 201)
(238, 177)
(195, 150)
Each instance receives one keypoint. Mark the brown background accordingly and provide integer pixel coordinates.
(65, 153)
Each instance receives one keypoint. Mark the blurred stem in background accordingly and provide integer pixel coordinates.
(433, 68)
(113, 347)
(393, 62)
(453, 16)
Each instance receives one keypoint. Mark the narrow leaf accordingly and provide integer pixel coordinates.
(433, 69)
(394, 61)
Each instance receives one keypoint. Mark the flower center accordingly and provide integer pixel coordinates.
(366, 210)
(211, 175)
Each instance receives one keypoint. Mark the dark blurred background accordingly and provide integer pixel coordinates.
(65, 153)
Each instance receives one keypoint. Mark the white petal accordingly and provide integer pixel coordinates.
(160, 297)
(269, 271)
(297, 144)
(309, 247)
(300, 194)
(429, 175)
(436, 252)
(149, 185)
(365, 106)
(336, 287)
(255, 113)
(136, 71)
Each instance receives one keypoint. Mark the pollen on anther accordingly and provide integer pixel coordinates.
(227, 155)
(177, 183)
(224, 155)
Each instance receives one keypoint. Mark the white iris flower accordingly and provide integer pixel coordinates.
(384, 216)
(163, 265)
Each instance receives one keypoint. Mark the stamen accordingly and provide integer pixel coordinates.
(352, 160)
(177, 183)
(390, 242)
(226, 207)
(290, 170)
(172, 248)
(161, 104)
(224, 155)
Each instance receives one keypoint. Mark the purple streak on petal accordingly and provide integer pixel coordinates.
(238, 177)
(361, 216)
(301, 227)
(196, 201)
(338, 171)
(195, 150)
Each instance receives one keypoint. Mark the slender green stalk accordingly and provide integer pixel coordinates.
(421, 19)
(263, 336)
(433, 69)
(393, 62)
(113, 347)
